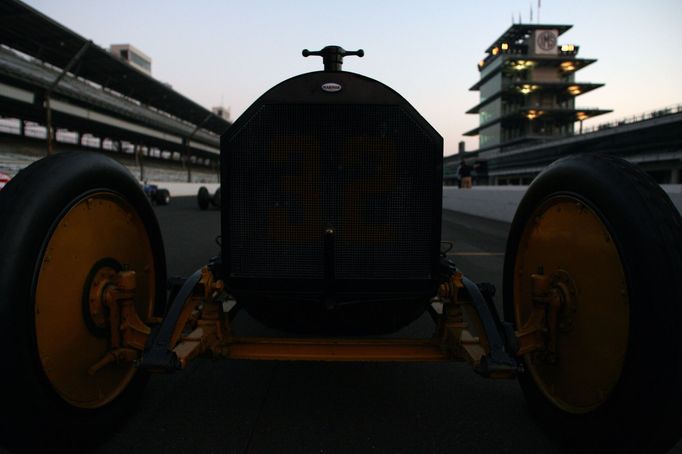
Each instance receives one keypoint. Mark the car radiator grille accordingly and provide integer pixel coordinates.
(367, 172)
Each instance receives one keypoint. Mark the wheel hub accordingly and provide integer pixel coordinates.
(562, 282)
(95, 311)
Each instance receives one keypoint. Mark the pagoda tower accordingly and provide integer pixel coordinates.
(527, 88)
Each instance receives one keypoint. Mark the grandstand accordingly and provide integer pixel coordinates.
(19, 153)
(60, 91)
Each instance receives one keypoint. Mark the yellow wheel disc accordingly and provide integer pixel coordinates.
(101, 225)
(567, 238)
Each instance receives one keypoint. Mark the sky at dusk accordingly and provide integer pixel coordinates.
(426, 50)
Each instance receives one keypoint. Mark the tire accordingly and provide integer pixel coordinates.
(203, 198)
(163, 197)
(216, 198)
(57, 216)
(615, 386)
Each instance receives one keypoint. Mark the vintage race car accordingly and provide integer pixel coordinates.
(205, 199)
(331, 231)
(156, 195)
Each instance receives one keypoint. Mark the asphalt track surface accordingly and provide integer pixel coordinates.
(229, 406)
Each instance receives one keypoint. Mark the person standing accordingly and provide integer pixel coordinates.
(465, 175)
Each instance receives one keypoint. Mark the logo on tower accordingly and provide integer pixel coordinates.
(546, 41)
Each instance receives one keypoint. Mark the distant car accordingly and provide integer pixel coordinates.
(205, 199)
(4, 179)
(157, 195)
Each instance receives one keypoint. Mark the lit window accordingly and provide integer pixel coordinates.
(505, 46)
(531, 114)
(574, 90)
(567, 66)
(496, 50)
(520, 65)
(527, 88)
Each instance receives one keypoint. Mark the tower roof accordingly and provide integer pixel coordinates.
(521, 31)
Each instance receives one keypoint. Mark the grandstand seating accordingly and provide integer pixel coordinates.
(24, 68)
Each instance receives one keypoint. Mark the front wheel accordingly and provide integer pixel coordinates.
(216, 200)
(69, 222)
(163, 197)
(203, 198)
(603, 238)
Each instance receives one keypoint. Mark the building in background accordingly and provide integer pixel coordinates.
(133, 56)
(528, 88)
(222, 112)
(528, 116)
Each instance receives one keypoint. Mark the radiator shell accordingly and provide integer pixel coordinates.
(331, 198)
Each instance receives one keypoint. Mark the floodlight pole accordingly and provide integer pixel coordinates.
(138, 158)
(53, 85)
(188, 139)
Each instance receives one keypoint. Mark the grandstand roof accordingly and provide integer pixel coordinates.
(31, 32)
(30, 74)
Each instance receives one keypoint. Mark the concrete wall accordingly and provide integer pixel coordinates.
(500, 202)
(184, 189)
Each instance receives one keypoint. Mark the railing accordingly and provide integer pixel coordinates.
(12, 126)
(665, 111)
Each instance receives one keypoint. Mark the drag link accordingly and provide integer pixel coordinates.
(157, 355)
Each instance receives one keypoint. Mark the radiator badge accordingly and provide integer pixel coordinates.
(331, 87)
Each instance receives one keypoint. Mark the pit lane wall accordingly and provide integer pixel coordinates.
(185, 189)
(500, 202)
(491, 202)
